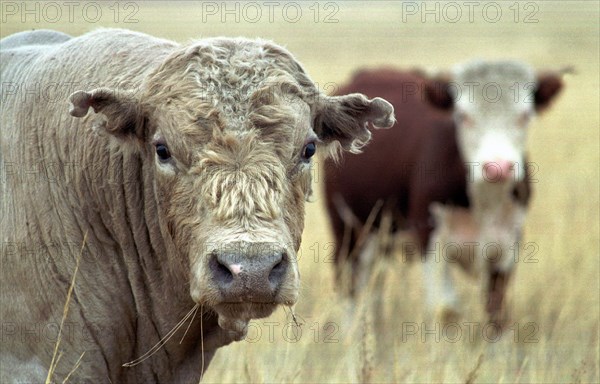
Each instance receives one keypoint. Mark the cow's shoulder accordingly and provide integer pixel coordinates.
(441, 172)
(36, 37)
(385, 79)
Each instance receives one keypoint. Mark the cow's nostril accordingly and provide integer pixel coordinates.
(220, 271)
(278, 271)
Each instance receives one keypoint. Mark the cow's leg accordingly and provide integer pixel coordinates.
(343, 265)
(345, 227)
(500, 271)
(497, 282)
(371, 277)
(441, 295)
(366, 307)
(365, 261)
(361, 264)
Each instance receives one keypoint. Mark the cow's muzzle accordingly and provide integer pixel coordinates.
(498, 171)
(253, 274)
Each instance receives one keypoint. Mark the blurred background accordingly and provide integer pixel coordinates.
(554, 301)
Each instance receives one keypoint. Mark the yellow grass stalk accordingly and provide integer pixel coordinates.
(55, 360)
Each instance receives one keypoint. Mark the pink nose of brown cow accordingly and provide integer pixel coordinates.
(498, 171)
(252, 276)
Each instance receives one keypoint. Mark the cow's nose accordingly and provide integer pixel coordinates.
(252, 278)
(499, 170)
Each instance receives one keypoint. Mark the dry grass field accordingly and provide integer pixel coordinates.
(554, 302)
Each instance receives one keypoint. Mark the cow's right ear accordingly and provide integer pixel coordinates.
(343, 121)
(122, 111)
(437, 92)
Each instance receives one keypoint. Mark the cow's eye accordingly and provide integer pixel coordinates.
(309, 150)
(163, 152)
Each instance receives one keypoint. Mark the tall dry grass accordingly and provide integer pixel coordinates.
(554, 302)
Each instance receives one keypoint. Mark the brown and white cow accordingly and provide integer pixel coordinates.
(181, 171)
(454, 171)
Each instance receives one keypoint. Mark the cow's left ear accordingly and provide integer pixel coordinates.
(122, 111)
(548, 86)
(437, 92)
(345, 119)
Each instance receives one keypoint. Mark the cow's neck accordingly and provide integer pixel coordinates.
(156, 277)
(490, 200)
(499, 217)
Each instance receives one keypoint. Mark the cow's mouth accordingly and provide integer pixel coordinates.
(234, 317)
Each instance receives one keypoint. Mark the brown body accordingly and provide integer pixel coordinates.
(408, 167)
(419, 164)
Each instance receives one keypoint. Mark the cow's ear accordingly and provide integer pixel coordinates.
(437, 92)
(548, 86)
(344, 120)
(121, 108)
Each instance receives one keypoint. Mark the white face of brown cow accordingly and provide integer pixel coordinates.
(493, 104)
(227, 130)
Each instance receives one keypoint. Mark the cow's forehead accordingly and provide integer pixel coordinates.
(233, 85)
(232, 77)
(493, 88)
(502, 72)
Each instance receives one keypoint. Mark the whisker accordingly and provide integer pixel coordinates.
(162, 341)
(190, 324)
(293, 313)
